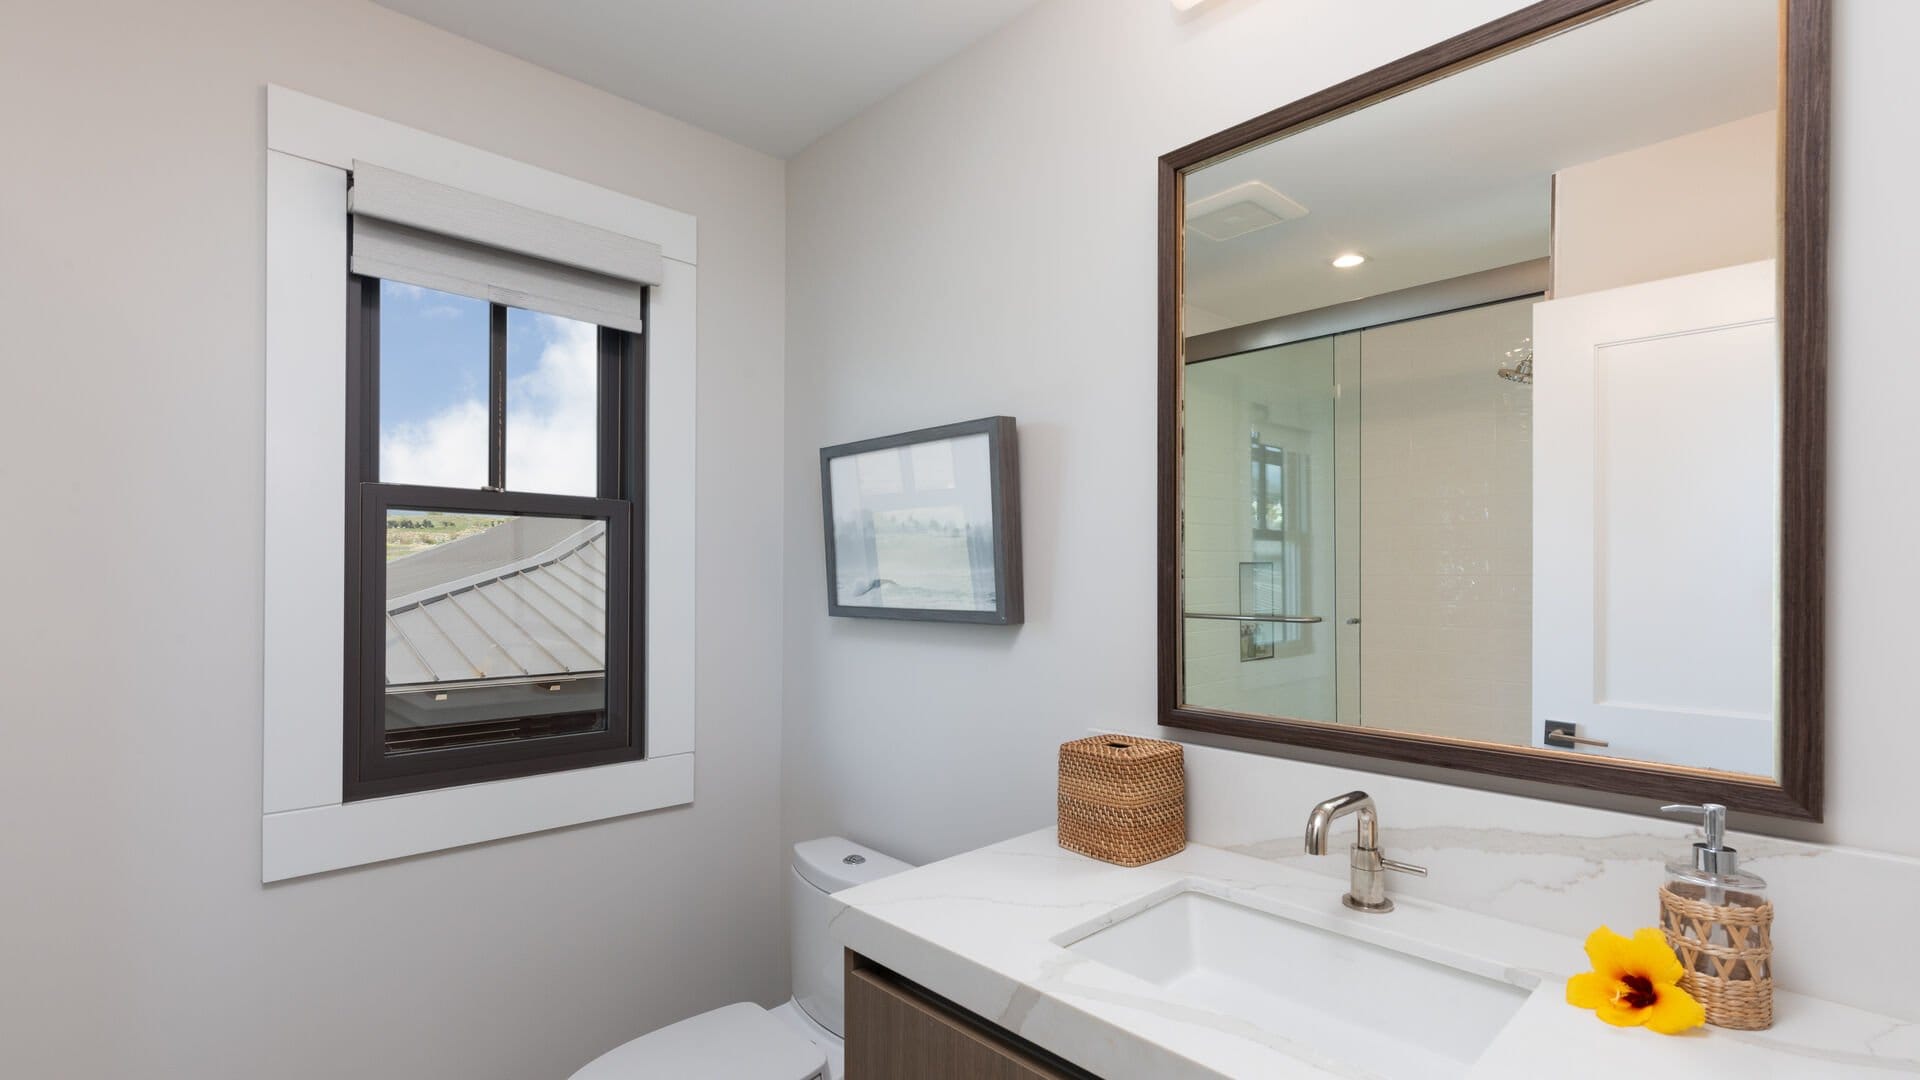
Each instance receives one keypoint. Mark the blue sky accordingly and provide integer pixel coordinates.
(433, 351)
(433, 394)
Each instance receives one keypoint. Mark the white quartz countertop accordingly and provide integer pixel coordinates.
(981, 928)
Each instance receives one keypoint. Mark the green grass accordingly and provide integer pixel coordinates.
(408, 533)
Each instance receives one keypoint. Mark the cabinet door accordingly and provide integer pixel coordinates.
(895, 1031)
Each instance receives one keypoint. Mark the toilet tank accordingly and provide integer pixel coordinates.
(821, 867)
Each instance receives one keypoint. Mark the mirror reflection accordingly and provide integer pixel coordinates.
(1481, 434)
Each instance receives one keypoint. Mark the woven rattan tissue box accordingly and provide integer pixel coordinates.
(1123, 799)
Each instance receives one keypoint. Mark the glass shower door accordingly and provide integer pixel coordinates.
(1261, 626)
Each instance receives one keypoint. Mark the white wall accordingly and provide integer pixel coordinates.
(989, 236)
(138, 940)
(1697, 202)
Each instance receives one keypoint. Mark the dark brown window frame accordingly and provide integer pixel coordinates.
(1805, 106)
(369, 770)
(1288, 639)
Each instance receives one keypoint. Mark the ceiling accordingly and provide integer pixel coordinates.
(1456, 176)
(772, 74)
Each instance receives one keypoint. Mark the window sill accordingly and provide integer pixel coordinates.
(296, 843)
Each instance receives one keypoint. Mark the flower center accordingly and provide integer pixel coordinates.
(1635, 992)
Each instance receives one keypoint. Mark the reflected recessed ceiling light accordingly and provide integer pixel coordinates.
(1348, 261)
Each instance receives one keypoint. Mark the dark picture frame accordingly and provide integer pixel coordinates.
(999, 547)
(1806, 75)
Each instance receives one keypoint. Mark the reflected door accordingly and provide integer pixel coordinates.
(1656, 519)
(1258, 530)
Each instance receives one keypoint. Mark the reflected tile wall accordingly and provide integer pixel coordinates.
(1446, 526)
(1285, 394)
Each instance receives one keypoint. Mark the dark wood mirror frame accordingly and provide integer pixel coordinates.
(1805, 53)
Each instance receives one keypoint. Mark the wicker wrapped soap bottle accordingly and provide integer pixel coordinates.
(1720, 924)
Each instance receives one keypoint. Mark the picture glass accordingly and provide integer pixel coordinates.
(913, 526)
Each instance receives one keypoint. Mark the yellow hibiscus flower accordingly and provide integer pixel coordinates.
(1635, 982)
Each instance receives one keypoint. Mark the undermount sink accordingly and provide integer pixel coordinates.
(1357, 1003)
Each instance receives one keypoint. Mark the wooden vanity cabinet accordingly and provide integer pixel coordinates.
(898, 1030)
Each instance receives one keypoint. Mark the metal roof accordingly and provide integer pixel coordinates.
(525, 599)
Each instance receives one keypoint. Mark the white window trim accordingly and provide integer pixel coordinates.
(306, 826)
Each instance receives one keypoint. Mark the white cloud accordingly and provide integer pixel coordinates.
(447, 450)
(553, 414)
(552, 419)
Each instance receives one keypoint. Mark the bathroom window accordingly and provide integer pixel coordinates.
(1269, 482)
(495, 568)
(1278, 508)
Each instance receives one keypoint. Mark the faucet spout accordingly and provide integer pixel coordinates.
(1367, 889)
(1325, 814)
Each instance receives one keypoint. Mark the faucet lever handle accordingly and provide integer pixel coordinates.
(1404, 868)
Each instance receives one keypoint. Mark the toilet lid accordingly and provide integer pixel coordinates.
(734, 1042)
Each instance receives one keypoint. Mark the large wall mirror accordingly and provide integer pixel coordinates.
(1492, 426)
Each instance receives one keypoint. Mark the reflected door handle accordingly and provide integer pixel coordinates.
(1561, 733)
(1569, 739)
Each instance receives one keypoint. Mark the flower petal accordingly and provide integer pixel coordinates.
(1608, 953)
(1590, 990)
(1674, 1012)
(1649, 954)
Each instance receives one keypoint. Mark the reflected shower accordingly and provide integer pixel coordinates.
(1519, 365)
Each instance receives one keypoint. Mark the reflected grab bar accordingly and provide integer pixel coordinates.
(1255, 618)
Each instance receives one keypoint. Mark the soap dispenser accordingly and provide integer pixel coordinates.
(1719, 922)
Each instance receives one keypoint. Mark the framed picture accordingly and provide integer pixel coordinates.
(925, 525)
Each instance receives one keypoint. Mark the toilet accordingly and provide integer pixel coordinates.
(801, 1039)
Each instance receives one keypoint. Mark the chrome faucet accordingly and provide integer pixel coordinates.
(1367, 889)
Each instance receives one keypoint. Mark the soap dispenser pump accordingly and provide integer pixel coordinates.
(1715, 867)
(1719, 922)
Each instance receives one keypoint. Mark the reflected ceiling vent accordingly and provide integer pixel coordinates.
(1241, 209)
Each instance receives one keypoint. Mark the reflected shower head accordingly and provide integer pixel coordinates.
(1519, 367)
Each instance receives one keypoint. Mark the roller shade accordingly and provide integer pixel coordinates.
(424, 233)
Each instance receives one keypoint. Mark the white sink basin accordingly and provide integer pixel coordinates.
(1357, 1003)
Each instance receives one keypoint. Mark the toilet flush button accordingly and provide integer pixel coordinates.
(854, 860)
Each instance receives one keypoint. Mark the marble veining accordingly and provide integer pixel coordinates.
(1568, 869)
(988, 929)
